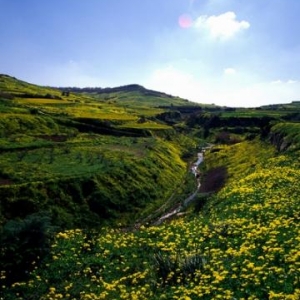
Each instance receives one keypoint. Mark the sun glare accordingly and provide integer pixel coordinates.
(185, 21)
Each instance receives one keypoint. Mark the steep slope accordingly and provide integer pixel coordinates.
(243, 245)
(80, 159)
(66, 161)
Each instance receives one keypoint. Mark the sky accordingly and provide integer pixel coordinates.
(227, 52)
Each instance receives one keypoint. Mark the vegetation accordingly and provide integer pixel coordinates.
(82, 160)
(77, 193)
(244, 244)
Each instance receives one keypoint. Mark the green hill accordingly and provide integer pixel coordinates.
(131, 95)
(72, 156)
(84, 173)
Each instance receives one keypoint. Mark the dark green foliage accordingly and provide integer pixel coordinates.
(231, 122)
(106, 128)
(24, 244)
(86, 185)
(170, 117)
(172, 270)
(286, 136)
(204, 119)
(294, 117)
(224, 137)
(200, 201)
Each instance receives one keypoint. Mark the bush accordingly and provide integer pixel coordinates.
(172, 270)
(24, 244)
(200, 201)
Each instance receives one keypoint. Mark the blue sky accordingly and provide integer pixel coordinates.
(227, 52)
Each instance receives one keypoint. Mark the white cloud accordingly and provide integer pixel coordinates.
(229, 71)
(223, 26)
(237, 92)
(278, 81)
(177, 83)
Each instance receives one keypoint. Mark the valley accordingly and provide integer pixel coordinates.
(108, 194)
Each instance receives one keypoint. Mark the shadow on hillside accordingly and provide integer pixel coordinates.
(213, 180)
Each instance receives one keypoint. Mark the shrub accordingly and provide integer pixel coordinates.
(172, 270)
(24, 243)
(200, 201)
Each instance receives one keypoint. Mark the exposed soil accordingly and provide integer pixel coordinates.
(5, 181)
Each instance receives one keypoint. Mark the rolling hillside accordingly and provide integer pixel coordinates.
(84, 172)
(60, 153)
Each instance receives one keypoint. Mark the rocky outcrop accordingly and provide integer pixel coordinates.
(279, 140)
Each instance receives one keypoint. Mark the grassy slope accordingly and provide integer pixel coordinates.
(62, 153)
(286, 135)
(244, 245)
(138, 98)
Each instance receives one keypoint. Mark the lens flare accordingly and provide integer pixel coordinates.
(185, 21)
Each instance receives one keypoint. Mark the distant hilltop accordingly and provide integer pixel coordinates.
(124, 88)
(99, 90)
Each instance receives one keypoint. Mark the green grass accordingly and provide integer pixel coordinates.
(247, 113)
(56, 168)
(140, 99)
(245, 244)
(290, 133)
(146, 125)
(112, 178)
(60, 144)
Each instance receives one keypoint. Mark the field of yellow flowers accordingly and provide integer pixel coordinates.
(244, 244)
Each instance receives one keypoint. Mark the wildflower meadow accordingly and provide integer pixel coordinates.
(243, 244)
